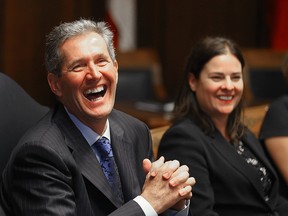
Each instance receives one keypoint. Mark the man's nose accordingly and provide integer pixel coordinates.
(93, 72)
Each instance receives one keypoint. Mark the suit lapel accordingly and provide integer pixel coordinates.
(123, 152)
(84, 155)
(92, 170)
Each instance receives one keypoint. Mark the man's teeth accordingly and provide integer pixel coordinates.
(95, 94)
(95, 99)
(225, 97)
(95, 90)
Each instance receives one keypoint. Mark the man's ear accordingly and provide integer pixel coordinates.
(192, 82)
(115, 63)
(54, 84)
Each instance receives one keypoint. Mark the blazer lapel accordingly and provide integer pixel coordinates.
(259, 152)
(253, 142)
(84, 155)
(229, 153)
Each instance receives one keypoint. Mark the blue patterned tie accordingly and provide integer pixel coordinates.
(108, 165)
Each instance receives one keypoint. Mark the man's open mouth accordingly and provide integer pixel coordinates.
(95, 93)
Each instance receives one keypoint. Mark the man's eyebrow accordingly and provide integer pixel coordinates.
(74, 62)
(79, 60)
(101, 55)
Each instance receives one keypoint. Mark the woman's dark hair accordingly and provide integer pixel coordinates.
(186, 104)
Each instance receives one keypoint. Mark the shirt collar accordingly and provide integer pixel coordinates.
(90, 135)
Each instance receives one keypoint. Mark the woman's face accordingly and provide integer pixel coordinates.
(219, 87)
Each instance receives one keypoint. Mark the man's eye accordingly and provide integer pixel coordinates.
(102, 62)
(77, 68)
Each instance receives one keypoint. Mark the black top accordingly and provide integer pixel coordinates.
(276, 124)
(276, 120)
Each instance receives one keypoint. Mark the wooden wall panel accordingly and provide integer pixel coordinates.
(172, 28)
(169, 27)
(1, 34)
(25, 25)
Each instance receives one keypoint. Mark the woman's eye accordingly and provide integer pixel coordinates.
(236, 78)
(216, 78)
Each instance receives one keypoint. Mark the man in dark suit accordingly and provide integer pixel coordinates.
(57, 169)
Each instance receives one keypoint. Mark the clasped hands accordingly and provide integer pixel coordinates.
(167, 184)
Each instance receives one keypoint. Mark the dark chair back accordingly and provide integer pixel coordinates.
(1, 211)
(134, 84)
(18, 112)
(267, 83)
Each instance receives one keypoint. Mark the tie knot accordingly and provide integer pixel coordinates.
(103, 147)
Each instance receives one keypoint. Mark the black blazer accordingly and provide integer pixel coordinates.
(225, 184)
(53, 166)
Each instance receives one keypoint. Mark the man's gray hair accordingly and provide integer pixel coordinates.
(65, 31)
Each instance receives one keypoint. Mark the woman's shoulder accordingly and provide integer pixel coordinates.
(184, 130)
(185, 124)
(275, 122)
(183, 136)
(281, 102)
(278, 109)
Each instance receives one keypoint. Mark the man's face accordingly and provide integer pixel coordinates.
(87, 86)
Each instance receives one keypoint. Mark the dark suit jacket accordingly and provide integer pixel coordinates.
(53, 170)
(225, 184)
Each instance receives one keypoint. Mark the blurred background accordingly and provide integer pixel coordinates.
(153, 39)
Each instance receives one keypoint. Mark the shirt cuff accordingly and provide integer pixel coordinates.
(150, 211)
(145, 206)
(183, 212)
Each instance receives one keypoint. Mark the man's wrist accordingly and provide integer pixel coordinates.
(145, 206)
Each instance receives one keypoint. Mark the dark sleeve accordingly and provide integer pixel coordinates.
(38, 182)
(130, 208)
(185, 143)
(276, 120)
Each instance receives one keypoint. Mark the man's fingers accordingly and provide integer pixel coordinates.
(191, 181)
(170, 168)
(179, 176)
(186, 192)
(187, 189)
(155, 166)
(147, 165)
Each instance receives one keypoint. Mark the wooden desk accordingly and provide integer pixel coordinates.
(152, 119)
(252, 116)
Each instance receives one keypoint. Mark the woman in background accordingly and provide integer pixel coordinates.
(233, 175)
(274, 133)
